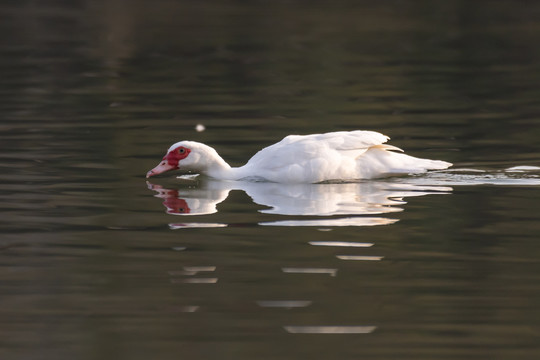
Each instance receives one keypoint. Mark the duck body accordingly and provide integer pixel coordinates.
(335, 156)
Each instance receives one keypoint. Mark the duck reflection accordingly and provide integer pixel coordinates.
(355, 201)
(189, 198)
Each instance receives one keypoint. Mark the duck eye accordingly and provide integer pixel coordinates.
(181, 150)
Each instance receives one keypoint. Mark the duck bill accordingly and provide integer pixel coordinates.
(161, 168)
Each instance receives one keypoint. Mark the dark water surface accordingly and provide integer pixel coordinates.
(98, 263)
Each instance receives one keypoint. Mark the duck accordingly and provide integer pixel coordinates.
(340, 156)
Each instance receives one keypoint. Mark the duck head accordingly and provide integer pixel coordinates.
(188, 156)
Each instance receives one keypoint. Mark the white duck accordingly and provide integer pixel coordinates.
(335, 156)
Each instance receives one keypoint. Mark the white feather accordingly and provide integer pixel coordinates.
(335, 156)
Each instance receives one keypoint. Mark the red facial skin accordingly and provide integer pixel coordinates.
(170, 161)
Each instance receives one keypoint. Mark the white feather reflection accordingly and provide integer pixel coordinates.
(185, 275)
(359, 257)
(176, 226)
(355, 201)
(295, 270)
(363, 198)
(197, 269)
(340, 243)
(352, 221)
(329, 329)
(195, 281)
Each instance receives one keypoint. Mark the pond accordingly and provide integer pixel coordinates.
(98, 262)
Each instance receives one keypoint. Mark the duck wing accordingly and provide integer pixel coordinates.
(313, 158)
(301, 148)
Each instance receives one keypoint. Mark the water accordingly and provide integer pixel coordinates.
(98, 263)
